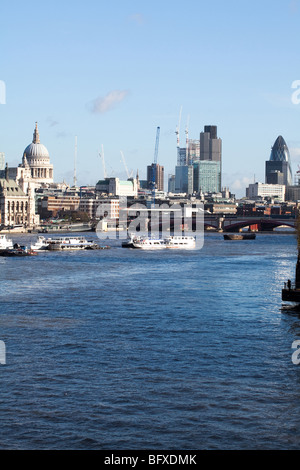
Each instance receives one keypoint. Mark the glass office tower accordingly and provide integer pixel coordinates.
(279, 168)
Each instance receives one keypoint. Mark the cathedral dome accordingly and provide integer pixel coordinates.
(36, 149)
(36, 162)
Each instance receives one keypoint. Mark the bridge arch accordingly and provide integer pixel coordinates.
(261, 224)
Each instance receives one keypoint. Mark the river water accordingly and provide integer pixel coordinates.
(127, 349)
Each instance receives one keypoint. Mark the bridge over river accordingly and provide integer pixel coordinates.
(257, 224)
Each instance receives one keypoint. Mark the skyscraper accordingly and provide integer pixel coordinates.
(184, 179)
(182, 156)
(210, 144)
(207, 176)
(199, 165)
(210, 176)
(171, 183)
(278, 168)
(155, 176)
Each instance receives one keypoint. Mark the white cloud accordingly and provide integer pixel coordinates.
(103, 104)
(241, 183)
(238, 182)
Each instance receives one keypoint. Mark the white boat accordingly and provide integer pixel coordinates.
(130, 240)
(5, 243)
(71, 243)
(180, 242)
(41, 243)
(149, 243)
(172, 242)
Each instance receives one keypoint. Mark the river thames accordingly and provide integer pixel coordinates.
(128, 349)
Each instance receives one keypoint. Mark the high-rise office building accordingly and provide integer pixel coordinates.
(184, 179)
(207, 176)
(193, 151)
(155, 177)
(278, 168)
(202, 160)
(189, 154)
(171, 184)
(210, 144)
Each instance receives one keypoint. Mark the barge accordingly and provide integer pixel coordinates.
(239, 236)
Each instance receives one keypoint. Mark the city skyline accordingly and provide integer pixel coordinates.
(110, 74)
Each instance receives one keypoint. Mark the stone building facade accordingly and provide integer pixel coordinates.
(16, 206)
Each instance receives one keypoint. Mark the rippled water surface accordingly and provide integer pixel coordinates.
(127, 349)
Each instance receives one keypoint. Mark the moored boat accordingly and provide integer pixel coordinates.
(130, 240)
(41, 243)
(172, 242)
(17, 250)
(5, 243)
(239, 236)
(180, 242)
(72, 243)
(149, 243)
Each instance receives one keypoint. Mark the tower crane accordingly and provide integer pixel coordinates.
(187, 140)
(178, 137)
(75, 161)
(156, 145)
(125, 166)
(103, 161)
(154, 166)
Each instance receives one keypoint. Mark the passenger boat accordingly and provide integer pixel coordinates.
(129, 242)
(174, 242)
(5, 243)
(71, 243)
(41, 243)
(149, 243)
(181, 242)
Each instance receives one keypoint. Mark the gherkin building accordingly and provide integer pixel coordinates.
(278, 168)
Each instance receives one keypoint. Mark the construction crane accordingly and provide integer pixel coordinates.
(178, 137)
(187, 140)
(154, 166)
(103, 162)
(75, 161)
(125, 166)
(156, 145)
(177, 132)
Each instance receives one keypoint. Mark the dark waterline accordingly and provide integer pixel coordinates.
(126, 349)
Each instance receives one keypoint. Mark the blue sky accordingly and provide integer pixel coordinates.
(111, 72)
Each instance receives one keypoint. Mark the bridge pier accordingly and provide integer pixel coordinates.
(221, 224)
